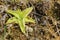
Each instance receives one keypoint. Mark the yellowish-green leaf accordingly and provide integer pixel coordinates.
(11, 20)
(13, 13)
(19, 12)
(26, 12)
(29, 19)
(22, 25)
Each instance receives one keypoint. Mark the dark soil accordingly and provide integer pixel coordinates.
(46, 14)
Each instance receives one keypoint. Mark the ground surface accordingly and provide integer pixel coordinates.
(46, 14)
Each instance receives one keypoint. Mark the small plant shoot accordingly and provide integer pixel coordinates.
(20, 17)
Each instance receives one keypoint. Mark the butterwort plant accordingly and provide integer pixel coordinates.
(20, 17)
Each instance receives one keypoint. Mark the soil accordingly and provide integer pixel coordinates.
(46, 14)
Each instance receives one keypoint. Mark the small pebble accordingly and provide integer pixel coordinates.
(29, 29)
